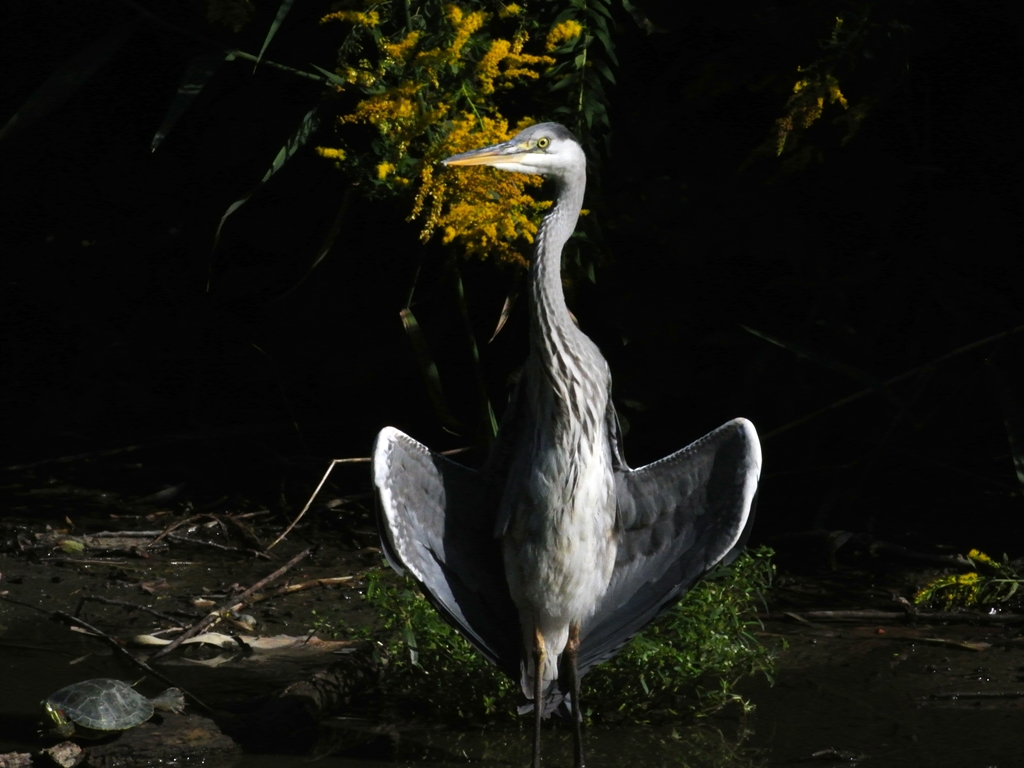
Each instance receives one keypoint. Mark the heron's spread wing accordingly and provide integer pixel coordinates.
(435, 521)
(677, 518)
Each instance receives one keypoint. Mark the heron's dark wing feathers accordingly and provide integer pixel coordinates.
(677, 518)
(436, 522)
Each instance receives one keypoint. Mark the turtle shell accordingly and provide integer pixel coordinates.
(102, 704)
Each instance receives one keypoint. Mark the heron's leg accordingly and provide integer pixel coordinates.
(538, 692)
(571, 652)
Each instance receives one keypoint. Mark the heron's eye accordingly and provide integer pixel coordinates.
(542, 142)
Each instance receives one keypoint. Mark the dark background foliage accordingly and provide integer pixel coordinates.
(870, 257)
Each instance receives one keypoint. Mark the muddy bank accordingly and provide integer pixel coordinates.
(858, 678)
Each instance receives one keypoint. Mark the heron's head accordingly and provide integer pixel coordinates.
(546, 149)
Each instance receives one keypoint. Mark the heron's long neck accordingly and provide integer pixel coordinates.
(551, 328)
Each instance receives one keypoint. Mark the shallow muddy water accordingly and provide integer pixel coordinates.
(858, 692)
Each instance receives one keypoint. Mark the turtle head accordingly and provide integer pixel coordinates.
(61, 725)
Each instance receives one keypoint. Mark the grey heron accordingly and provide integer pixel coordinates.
(555, 553)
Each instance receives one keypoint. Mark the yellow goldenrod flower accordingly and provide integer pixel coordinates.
(834, 94)
(981, 557)
(483, 210)
(365, 19)
(465, 25)
(487, 68)
(400, 50)
(410, 96)
(331, 153)
(806, 105)
(562, 33)
(506, 61)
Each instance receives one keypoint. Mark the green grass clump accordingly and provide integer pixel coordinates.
(686, 662)
(691, 658)
(428, 665)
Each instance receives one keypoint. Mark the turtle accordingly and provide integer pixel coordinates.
(102, 706)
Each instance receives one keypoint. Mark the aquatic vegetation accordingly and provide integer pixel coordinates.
(427, 663)
(688, 661)
(693, 656)
(991, 583)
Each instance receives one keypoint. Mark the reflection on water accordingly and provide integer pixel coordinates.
(693, 746)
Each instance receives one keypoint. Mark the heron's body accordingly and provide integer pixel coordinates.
(559, 503)
(556, 547)
(557, 512)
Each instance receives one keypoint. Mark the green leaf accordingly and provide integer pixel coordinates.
(600, 23)
(834, 365)
(282, 11)
(295, 142)
(605, 70)
(198, 73)
(563, 83)
(428, 369)
(609, 48)
(506, 311)
(599, 7)
(331, 76)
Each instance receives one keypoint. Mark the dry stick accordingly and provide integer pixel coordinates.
(236, 603)
(69, 619)
(359, 460)
(258, 512)
(78, 561)
(124, 604)
(894, 380)
(174, 526)
(223, 547)
(290, 589)
(75, 457)
(246, 531)
(984, 618)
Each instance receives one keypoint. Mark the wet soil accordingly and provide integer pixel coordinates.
(848, 690)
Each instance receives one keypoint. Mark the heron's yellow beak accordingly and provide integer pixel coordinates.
(506, 152)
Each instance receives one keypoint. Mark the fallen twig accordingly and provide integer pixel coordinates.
(860, 615)
(979, 695)
(223, 547)
(334, 462)
(355, 460)
(236, 603)
(967, 645)
(118, 648)
(175, 526)
(75, 457)
(247, 533)
(289, 589)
